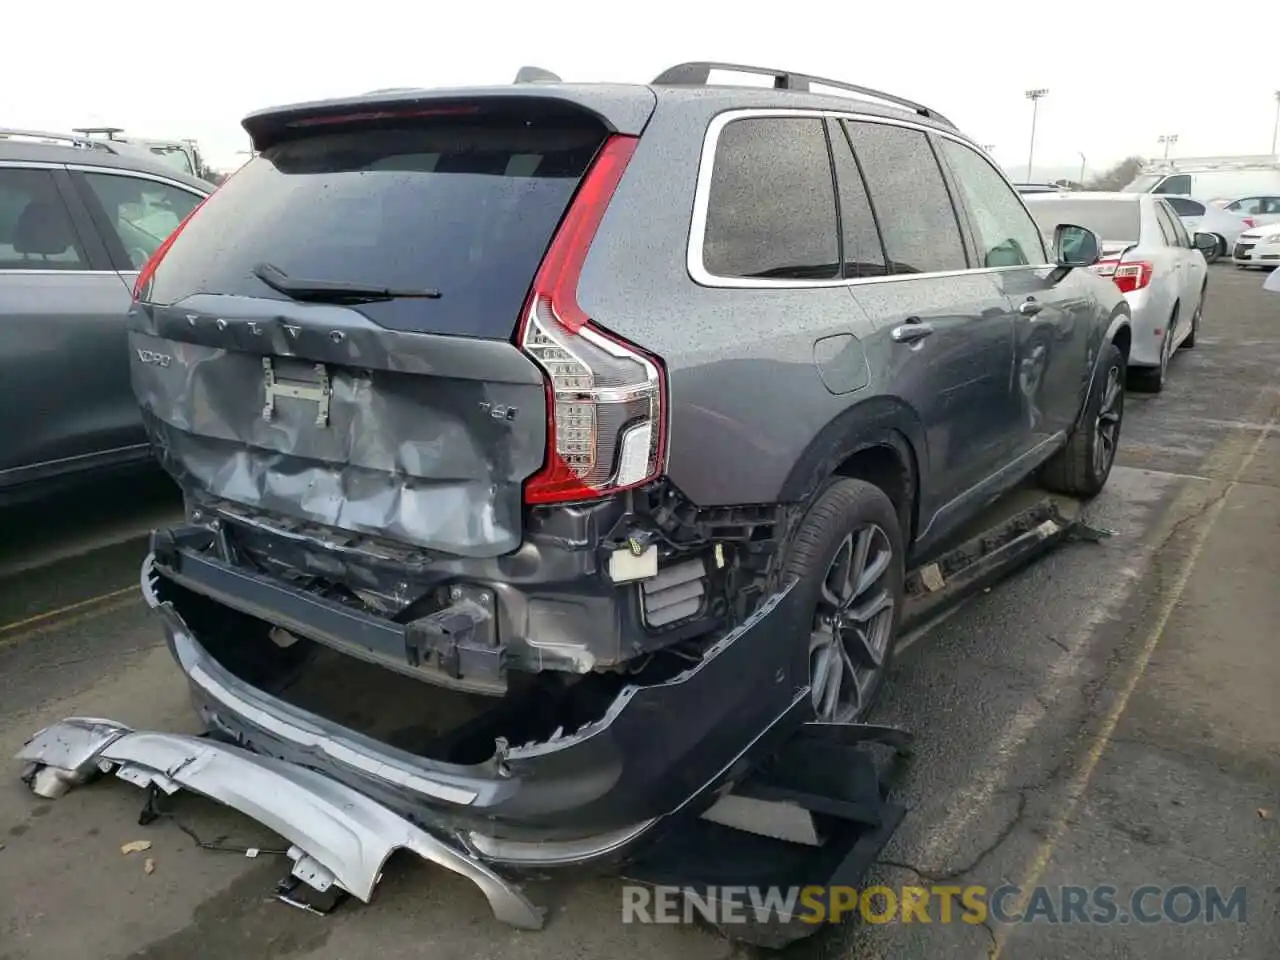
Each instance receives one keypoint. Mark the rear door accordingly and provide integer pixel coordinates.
(1191, 272)
(1051, 320)
(62, 313)
(946, 332)
(411, 416)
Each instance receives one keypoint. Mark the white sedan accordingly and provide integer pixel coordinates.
(1259, 247)
(1149, 255)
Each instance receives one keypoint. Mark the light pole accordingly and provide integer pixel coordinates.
(1275, 130)
(1168, 139)
(1034, 96)
(1082, 164)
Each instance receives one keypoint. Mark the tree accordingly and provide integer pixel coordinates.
(1120, 175)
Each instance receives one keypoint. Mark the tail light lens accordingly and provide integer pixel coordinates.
(606, 398)
(1249, 223)
(1127, 275)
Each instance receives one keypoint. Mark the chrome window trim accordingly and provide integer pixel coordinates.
(701, 198)
(18, 271)
(138, 174)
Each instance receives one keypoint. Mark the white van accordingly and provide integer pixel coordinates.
(1211, 178)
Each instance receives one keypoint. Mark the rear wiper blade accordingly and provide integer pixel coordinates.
(335, 291)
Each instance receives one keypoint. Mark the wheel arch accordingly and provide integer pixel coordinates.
(1120, 333)
(880, 440)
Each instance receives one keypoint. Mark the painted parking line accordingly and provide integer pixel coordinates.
(1079, 783)
(11, 633)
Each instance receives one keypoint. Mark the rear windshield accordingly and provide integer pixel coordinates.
(464, 207)
(1110, 219)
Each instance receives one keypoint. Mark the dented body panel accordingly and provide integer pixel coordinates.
(426, 442)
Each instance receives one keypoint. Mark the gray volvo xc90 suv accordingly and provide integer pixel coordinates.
(607, 416)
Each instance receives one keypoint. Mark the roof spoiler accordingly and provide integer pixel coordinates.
(697, 73)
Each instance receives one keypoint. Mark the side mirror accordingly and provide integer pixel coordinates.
(1075, 246)
(1206, 243)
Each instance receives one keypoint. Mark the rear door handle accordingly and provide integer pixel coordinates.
(1029, 308)
(911, 331)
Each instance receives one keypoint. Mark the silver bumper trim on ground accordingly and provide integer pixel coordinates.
(343, 832)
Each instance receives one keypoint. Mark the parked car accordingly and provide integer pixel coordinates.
(561, 404)
(1150, 257)
(1220, 222)
(1261, 210)
(1259, 247)
(1204, 178)
(76, 223)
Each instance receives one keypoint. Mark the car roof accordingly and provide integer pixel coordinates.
(133, 158)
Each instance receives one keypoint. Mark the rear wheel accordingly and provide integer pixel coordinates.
(1151, 379)
(1217, 252)
(1081, 468)
(848, 557)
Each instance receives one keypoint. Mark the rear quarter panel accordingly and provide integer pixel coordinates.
(746, 398)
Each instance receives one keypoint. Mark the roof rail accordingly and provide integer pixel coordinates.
(42, 136)
(90, 131)
(697, 73)
(536, 75)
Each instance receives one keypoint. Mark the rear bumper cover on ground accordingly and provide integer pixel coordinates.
(579, 796)
(340, 837)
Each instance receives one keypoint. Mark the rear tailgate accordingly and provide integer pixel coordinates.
(411, 418)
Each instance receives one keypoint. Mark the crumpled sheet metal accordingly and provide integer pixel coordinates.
(420, 458)
(343, 832)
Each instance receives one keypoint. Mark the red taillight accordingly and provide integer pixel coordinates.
(606, 420)
(1132, 275)
(149, 268)
(1249, 223)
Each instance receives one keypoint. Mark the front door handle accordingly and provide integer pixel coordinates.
(1029, 308)
(911, 331)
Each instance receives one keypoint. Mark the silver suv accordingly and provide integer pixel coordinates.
(77, 221)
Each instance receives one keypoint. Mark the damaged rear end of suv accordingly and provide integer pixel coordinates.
(430, 548)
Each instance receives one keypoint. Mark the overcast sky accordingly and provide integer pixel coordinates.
(188, 69)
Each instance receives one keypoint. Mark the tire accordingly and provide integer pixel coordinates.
(1079, 469)
(1190, 342)
(842, 513)
(1152, 379)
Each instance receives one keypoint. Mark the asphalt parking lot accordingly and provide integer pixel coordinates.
(1107, 717)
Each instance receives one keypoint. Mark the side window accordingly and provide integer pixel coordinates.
(1184, 238)
(863, 252)
(1247, 206)
(1269, 205)
(771, 212)
(1006, 234)
(35, 228)
(1180, 183)
(917, 220)
(1167, 235)
(1172, 226)
(141, 213)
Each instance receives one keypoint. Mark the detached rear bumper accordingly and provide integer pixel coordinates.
(583, 795)
(340, 837)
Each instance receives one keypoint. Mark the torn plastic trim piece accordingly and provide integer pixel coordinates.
(343, 837)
